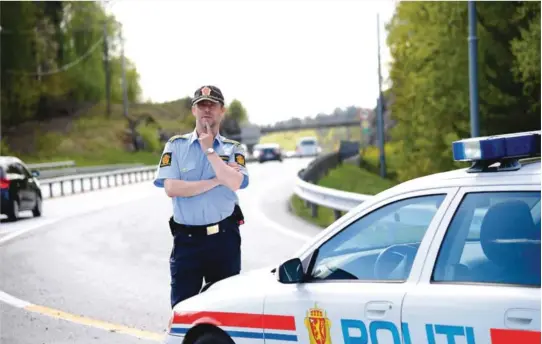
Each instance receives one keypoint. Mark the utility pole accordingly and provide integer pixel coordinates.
(380, 107)
(124, 86)
(473, 71)
(107, 73)
(131, 123)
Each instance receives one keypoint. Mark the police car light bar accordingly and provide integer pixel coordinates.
(507, 148)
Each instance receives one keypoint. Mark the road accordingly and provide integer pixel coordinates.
(94, 268)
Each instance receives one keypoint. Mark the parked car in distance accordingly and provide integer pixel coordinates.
(268, 152)
(308, 146)
(19, 188)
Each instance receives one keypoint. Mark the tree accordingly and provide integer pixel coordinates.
(237, 112)
(430, 82)
(52, 53)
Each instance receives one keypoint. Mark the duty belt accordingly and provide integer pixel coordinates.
(207, 229)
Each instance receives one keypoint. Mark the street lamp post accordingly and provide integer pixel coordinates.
(473, 71)
(380, 107)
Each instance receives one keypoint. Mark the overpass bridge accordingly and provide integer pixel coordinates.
(251, 134)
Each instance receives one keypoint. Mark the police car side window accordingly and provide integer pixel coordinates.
(381, 245)
(494, 238)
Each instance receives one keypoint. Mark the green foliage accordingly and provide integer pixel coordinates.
(351, 178)
(346, 177)
(53, 56)
(430, 81)
(237, 112)
(150, 137)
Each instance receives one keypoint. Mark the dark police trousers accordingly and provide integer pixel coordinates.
(197, 255)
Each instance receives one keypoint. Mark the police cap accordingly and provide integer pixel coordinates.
(209, 92)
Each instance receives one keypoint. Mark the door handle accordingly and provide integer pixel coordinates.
(520, 318)
(377, 309)
(519, 321)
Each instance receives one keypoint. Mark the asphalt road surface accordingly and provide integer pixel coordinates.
(94, 268)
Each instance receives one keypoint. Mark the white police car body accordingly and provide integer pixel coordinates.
(452, 257)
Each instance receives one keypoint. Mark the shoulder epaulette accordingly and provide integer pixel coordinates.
(236, 143)
(180, 137)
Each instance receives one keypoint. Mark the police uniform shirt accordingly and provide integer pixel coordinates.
(183, 158)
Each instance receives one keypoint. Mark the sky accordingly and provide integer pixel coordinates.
(280, 58)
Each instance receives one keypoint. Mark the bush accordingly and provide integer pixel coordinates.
(370, 160)
(150, 137)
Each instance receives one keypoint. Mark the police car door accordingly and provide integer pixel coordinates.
(482, 282)
(358, 276)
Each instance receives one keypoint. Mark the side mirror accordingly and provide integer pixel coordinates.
(36, 173)
(291, 271)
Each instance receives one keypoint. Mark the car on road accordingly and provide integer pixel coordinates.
(268, 152)
(19, 188)
(308, 146)
(452, 257)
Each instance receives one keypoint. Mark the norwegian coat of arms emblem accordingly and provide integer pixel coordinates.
(206, 91)
(318, 326)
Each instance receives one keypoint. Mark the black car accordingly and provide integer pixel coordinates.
(268, 152)
(19, 188)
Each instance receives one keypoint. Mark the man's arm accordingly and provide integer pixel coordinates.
(225, 175)
(168, 175)
(182, 188)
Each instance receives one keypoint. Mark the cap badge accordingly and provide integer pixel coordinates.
(206, 91)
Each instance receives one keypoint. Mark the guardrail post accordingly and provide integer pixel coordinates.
(314, 210)
(82, 183)
(51, 190)
(62, 188)
(337, 214)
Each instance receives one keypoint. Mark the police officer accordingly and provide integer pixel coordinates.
(201, 171)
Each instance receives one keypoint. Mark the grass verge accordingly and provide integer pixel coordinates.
(347, 177)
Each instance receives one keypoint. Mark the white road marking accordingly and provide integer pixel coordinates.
(12, 300)
(32, 227)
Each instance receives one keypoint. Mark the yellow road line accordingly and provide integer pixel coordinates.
(95, 323)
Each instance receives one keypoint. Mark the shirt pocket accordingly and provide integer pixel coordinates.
(189, 171)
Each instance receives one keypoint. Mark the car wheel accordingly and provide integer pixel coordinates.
(38, 207)
(214, 338)
(13, 211)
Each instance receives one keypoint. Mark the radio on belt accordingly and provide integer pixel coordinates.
(505, 149)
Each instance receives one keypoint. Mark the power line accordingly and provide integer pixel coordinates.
(63, 68)
(82, 29)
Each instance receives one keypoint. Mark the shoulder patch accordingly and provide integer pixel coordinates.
(165, 160)
(179, 137)
(240, 159)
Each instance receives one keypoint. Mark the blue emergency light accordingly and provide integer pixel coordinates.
(506, 149)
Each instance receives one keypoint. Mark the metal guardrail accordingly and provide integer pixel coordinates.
(337, 200)
(48, 165)
(314, 195)
(53, 173)
(80, 183)
(84, 182)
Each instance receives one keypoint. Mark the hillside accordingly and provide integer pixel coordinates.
(89, 137)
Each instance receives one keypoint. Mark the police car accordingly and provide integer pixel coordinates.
(452, 257)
